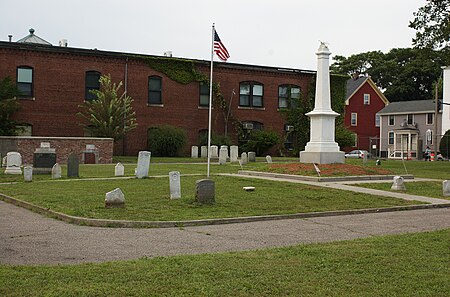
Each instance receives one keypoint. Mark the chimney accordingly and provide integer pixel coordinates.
(10, 37)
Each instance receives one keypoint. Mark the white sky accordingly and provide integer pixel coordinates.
(280, 33)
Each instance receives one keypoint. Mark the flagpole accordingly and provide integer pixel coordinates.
(210, 100)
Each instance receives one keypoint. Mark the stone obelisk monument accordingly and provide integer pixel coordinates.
(322, 148)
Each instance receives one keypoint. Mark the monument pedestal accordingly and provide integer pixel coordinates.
(322, 157)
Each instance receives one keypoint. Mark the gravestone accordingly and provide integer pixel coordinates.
(175, 185)
(143, 164)
(244, 159)
(115, 198)
(13, 163)
(73, 166)
(234, 152)
(223, 155)
(56, 171)
(398, 184)
(204, 151)
(214, 151)
(44, 158)
(119, 170)
(224, 147)
(194, 152)
(28, 173)
(446, 188)
(205, 191)
(4, 161)
(269, 159)
(251, 156)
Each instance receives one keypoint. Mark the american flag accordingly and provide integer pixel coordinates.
(220, 49)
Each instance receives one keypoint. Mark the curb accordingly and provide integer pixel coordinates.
(171, 224)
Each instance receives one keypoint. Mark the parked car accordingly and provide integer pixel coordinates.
(357, 154)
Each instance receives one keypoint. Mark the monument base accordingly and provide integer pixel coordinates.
(322, 157)
(13, 170)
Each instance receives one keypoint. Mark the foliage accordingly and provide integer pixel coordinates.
(260, 141)
(432, 24)
(344, 137)
(109, 115)
(8, 106)
(166, 141)
(216, 139)
(403, 73)
(444, 146)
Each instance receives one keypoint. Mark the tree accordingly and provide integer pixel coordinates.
(109, 115)
(8, 106)
(432, 25)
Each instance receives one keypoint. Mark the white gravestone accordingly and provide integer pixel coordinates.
(175, 185)
(269, 159)
(143, 164)
(398, 184)
(225, 147)
(115, 198)
(56, 171)
(251, 156)
(119, 170)
(204, 151)
(223, 156)
(234, 152)
(28, 173)
(194, 152)
(13, 163)
(244, 159)
(214, 151)
(446, 188)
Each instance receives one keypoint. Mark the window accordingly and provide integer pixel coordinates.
(391, 120)
(204, 94)
(354, 119)
(391, 138)
(92, 82)
(25, 81)
(288, 96)
(366, 99)
(377, 120)
(430, 118)
(409, 119)
(154, 90)
(251, 94)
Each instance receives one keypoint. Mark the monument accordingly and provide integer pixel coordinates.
(322, 148)
(44, 158)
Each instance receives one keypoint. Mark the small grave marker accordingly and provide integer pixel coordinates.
(175, 185)
(115, 198)
(398, 184)
(205, 191)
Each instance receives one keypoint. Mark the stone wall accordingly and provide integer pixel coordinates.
(26, 145)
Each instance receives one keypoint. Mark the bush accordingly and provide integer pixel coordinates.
(261, 141)
(165, 141)
(216, 139)
(344, 137)
(444, 147)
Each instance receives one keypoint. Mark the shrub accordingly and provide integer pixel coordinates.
(444, 147)
(261, 141)
(165, 141)
(216, 139)
(344, 137)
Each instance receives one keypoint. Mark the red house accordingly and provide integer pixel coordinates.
(364, 101)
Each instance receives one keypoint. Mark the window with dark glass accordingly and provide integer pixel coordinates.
(391, 120)
(288, 96)
(430, 117)
(204, 94)
(391, 138)
(92, 83)
(251, 94)
(154, 90)
(410, 119)
(25, 81)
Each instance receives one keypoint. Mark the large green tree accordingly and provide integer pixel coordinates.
(8, 106)
(109, 115)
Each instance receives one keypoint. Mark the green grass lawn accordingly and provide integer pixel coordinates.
(396, 265)
(429, 189)
(147, 199)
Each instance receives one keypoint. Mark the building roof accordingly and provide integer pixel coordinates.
(404, 107)
(31, 38)
(354, 84)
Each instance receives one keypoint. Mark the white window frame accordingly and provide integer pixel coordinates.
(389, 138)
(408, 117)
(389, 120)
(366, 99)
(354, 119)
(432, 118)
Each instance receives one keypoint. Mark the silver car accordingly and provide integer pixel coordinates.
(357, 154)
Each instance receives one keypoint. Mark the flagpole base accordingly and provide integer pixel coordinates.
(322, 157)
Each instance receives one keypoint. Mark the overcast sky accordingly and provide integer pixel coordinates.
(280, 33)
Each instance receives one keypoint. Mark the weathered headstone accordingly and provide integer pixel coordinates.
(115, 198)
(244, 159)
(398, 184)
(175, 185)
(73, 166)
(205, 191)
(143, 164)
(56, 171)
(194, 152)
(214, 151)
(13, 163)
(44, 158)
(251, 156)
(28, 173)
(224, 147)
(234, 152)
(119, 170)
(223, 155)
(269, 159)
(446, 188)
(204, 151)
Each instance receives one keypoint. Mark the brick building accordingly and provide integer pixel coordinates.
(55, 80)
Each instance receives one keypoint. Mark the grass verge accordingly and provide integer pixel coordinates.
(425, 188)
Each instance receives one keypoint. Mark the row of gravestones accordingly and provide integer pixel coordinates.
(223, 155)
